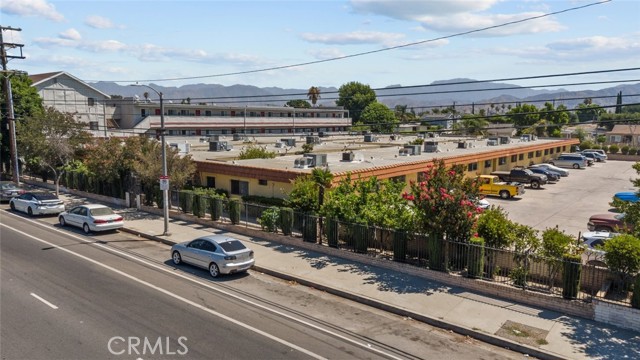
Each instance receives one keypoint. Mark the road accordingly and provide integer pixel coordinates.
(65, 295)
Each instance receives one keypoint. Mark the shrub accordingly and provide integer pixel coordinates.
(186, 200)
(198, 205)
(216, 208)
(624, 150)
(613, 149)
(633, 151)
(571, 276)
(587, 144)
(269, 219)
(234, 211)
(256, 152)
(605, 148)
(286, 220)
(307, 148)
(475, 258)
(310, 228)
(263, 200)
(519, 275)
(622, 255)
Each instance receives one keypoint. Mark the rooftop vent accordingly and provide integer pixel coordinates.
(313, 140)
(219, 146)
(289, 142)
(348, 156)
(413, 149)
(310, 160)
(431, 146)
(370, 138)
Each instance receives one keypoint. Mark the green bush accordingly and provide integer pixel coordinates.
(519, 275)
(199, 205)
(310, 228)
(475, 258)
(613, 149)
(605, 148)
(633, 151)
(399, 245)
(234, 211)
(622, 255)
(332, 230)
(571, 276)
(263, 200)
(635, 299)
(269, 219)
(215, 208)
(625, 150)
(185, 200)
(286, 220)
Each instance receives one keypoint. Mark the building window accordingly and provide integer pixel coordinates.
(399, 179)
(558, 149)
(262, 182)
(551, 151)
(211, 181)
(472, 166)
(91, 101)
(546, 151)
(487, 164)
(93, 125)
(538, 153)
(530, 155)
(239, 187)
(521, 157)
(502, 160)
(514, 158)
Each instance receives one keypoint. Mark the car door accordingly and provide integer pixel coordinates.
(22, 202)
(190, 254)
(72, 218)
(206, 253)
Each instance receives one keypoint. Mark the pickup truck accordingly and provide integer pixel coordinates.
(491, 185)
(523, 176)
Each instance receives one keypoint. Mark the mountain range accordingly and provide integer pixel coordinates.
(461, 93)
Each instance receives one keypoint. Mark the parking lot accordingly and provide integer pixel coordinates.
(570, 202)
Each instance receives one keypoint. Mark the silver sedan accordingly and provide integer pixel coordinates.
(219, 254)
(92, 217)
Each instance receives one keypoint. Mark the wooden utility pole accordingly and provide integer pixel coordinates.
(4, 57)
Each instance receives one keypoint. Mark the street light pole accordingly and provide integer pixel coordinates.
(164, 185)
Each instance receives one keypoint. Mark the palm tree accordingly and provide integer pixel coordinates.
(313, 94)
(323, 178)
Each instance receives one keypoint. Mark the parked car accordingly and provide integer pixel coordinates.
(491, 185)
(551, 175)
(562, 172)
(595, 155)
(598, 151)
(590, 157)
(9, 190)
(629, 196)
(92, 217)
(34, 203)
(220, 254)
(575, 161)
(608, 222)
(593, 243)
(523, 176)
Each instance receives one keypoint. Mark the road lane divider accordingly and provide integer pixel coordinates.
(44, 301)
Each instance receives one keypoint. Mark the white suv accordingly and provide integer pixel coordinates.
(575, 161)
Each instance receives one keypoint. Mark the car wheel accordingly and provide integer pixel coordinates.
(61, 220)
(177, 259)
(576, 166)
(29, 211)
(504, 194)
(214, 270)
(86, 228)
(603, 228)
(535, 185)
(12, 206)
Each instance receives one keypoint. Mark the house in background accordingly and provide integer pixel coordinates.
(68, 94)
(624, 135)
(445, 121)
(500, 130)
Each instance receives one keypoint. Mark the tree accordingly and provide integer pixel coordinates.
(524, 115)
(322, 177)
(402, 115)
(379, 117)
(587, 111)
(304, 195)
(555, 119)
(51, 140)
(443, 202)
(255, 152)
(619, 103)
(472, 125)
(495, 228)
(555, 244)
(302, 104)
(355, 97)
(313, 94)
(631, 209)
(26, 103)
(622, 255)
(525, 244)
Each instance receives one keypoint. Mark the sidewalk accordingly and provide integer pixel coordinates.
(536, 332)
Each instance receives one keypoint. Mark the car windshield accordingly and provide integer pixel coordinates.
(9, 186)
(101, 211)
(233, 245)
(619, 217)
(45, 196)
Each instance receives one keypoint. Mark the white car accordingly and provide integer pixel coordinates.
(34, 203)
(92, 217)
(561, 171)
(593, 243)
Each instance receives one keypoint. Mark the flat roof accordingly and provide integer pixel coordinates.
(382, 153)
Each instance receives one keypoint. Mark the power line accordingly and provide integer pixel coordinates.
(372, 51)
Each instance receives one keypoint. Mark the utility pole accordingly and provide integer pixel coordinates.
(7, 85)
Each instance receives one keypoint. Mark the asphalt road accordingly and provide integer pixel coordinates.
(69, 296)
(570, 202)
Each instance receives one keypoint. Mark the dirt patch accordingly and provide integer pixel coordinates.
(522, 333)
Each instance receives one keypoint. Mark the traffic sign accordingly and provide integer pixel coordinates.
(164, 182)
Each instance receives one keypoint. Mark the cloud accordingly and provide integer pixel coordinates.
(356, 37)
(39, 8)
(99, 22)
(70, 34)
(413, 10)
(466, 22)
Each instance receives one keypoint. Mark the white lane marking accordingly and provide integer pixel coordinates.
(213, 288)
(168, 293)
(44, 301)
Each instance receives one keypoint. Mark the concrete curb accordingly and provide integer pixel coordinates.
(462, 330)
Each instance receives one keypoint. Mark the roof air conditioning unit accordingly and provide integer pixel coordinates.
(348, 156)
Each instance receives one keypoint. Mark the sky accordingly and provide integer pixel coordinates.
(375, 42)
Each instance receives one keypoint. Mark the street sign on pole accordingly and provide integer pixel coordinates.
(164, 182)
